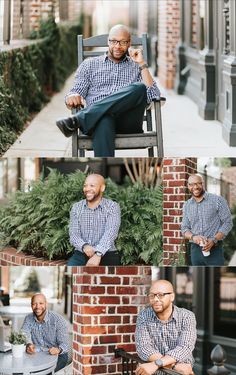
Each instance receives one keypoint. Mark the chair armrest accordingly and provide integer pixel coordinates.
(162, 100)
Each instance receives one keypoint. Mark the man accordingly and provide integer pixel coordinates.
(115, 97)
(165, 334)
(46, 331)
(206, 222)
(94, 226)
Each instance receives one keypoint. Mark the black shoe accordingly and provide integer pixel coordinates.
(68, 125)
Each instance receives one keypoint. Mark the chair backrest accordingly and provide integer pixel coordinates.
(91, 47)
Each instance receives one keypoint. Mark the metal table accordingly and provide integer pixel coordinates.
(41, 363)
(15, 313)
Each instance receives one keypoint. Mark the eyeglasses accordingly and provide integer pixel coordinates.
(122, 43)
(158, 295)
(195, 183)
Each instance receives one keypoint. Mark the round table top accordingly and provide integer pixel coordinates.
(29, 362)
(15, 310)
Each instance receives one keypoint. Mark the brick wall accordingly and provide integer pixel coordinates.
(194, 24)
(10, 257)
(175, 174)
(106, 301)
(16, 32)
(168, 36)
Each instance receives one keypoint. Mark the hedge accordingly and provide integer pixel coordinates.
(36, 221)
(29, 75)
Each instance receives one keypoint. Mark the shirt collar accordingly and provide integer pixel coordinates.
(174, 315)
(205, 196)
(46, 317)
(101, 204)
(106, 58)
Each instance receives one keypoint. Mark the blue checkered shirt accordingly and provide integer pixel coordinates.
(51, 332)
(97, 227)
(175, 337)
(207, 217)
(98, 77)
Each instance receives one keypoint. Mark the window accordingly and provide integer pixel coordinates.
(225, 302)
(184, 287)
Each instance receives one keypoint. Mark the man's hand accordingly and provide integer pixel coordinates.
(209, 245)
(74, 101)
(88, 250)
(199, 240)
(184, 368)
(30, 349)
(136, 55)
(146, 369)
(94, 260)
(54, 351)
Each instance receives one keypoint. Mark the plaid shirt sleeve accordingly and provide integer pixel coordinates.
(26, 330)
(185, 225)
(225, 216)
(143, 341)
(82, 80)
(75, 236)
(112, 229)
(62, 334)
(187, 339)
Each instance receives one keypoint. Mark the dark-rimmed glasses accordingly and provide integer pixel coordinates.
(122, 43)
(158, 295)
(195, 183)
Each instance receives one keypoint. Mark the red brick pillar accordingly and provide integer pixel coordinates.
(106, 301)
(168, 36)
(175, 175)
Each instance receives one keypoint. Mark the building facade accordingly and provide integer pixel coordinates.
(206, 60)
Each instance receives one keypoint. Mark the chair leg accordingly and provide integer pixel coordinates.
(160, 149)
(75, 144)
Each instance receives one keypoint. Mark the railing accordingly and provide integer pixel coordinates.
(131, 361)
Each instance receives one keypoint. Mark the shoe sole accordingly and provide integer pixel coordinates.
(61, 127)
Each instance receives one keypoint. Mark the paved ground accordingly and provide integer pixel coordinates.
(185, 132)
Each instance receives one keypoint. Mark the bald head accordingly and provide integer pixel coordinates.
(95, 178)
(196, 186)
(161, 297)
(161, 286)
(119, 29)
(39, 305)
(94, 187)
(37, 296)
(195, 178)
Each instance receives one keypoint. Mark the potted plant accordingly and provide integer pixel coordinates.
(18, 341)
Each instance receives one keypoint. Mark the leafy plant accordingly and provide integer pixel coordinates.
(29, 76)
(17, 338)
(37, 221)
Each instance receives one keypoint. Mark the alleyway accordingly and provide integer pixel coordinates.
(185, 132)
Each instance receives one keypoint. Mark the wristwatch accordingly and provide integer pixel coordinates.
(99, 253)
(144, 66)
(215, 240)
(159, 362)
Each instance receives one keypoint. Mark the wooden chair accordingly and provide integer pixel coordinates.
(153, 137)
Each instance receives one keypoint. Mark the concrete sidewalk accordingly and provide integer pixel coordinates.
(185, 132)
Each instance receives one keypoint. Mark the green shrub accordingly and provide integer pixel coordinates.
(37, 221)
(29, 75)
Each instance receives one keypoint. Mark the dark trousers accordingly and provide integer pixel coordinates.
(111, 258)
(62, 361)
(121, 112)
(216, 257)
